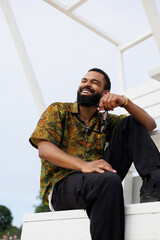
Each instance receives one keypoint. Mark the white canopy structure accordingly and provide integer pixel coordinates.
(141, 95)
(96, 19)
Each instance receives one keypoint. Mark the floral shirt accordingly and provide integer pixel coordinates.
(60, 124)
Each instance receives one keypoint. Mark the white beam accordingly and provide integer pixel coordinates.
(153, 18)
(37, 95)
(155, 73)
(83, 22)
(142, 90)
(76, 5)
(120, 69)
(135, 41)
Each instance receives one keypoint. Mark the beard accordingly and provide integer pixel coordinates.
(88, 100)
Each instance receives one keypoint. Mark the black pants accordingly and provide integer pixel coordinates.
(101, 194)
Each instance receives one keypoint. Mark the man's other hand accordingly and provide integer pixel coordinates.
(110, 101)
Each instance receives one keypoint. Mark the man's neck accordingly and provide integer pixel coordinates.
(86, 113)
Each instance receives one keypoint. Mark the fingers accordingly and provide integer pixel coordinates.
(110, 101)
(106, 166)
(99, 166)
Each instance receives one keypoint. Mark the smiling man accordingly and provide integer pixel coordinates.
(78, 172)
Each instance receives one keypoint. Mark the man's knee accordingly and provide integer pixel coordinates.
(110, 179)
(113, 177)
(99, 183)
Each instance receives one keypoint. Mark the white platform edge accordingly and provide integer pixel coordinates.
(130, 209)
(57, 215)
(142, 208)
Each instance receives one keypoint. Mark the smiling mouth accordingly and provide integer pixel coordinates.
(86, 91)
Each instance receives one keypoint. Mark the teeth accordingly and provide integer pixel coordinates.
(86, 92)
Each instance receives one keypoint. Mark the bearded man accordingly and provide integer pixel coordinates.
(78, 172)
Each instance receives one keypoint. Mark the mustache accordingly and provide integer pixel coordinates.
(87, 88)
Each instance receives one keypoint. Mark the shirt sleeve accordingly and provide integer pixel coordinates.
(49, 127)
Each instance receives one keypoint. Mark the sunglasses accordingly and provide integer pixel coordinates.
(104, 125)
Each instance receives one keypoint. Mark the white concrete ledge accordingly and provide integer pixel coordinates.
(142, 223)
(145, 208)
(54, 216)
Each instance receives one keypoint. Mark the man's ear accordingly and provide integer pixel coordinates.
(105, 92)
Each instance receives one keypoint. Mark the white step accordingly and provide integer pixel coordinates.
(61, 225)
(155, 73)
(142, 223)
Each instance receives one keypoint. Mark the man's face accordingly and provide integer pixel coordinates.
(91, 89)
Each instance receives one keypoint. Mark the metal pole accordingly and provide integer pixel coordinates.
(22, 52)
(120, 68)
(59, 6)
(153, 18)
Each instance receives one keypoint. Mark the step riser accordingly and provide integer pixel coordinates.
(142, 223)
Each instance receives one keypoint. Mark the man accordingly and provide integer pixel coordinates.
(78, 172)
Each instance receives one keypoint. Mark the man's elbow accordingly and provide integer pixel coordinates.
(42, 150)
(41, 154)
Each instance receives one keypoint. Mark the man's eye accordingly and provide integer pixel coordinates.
(95, 82)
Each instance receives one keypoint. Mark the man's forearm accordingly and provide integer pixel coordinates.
(110, 101)
(55, 155)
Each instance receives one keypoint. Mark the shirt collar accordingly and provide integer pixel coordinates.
(75, 110)
(74, 107)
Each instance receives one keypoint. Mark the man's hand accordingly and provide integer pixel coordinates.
(110, 101)
(99, 166)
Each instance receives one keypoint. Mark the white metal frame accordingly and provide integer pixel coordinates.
(23, 55)
(145, 91)
(154, 21)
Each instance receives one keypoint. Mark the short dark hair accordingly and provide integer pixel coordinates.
(107, 83)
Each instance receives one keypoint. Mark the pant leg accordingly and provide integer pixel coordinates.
(132, 143)
(68, 193)
(102, 197)
(104, 205)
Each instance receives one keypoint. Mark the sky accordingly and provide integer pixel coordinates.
(61, 51)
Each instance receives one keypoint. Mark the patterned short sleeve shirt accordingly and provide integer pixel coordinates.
(60, 124)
